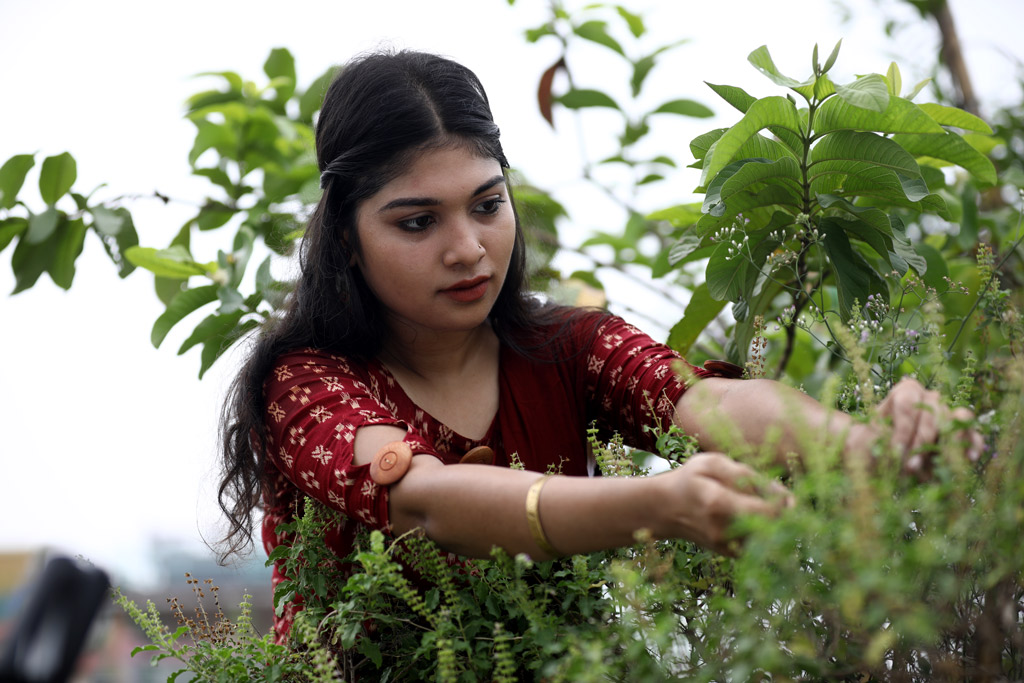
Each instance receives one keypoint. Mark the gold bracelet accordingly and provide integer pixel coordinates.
(533, 516)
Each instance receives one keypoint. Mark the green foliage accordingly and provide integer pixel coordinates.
(254, 144)
(49, 239)
(211, 647)
(871, 575)
(813, 215)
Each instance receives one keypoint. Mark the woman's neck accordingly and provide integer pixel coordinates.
(433, 355)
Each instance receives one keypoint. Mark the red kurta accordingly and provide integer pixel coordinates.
(617, 377)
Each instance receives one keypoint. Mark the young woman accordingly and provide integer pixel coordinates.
(410, 330)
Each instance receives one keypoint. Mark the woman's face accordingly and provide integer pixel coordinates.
(435, 242)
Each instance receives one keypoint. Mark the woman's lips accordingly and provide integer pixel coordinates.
(468, 291)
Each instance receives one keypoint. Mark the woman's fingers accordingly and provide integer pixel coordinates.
(722, 490)
(918, 417)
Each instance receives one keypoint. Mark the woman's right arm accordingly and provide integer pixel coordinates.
(468, 509)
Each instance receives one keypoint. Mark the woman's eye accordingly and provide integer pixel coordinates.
(490, 207)
(417, 223)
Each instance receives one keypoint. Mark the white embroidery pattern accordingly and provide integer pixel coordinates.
(322, 455)
(300, 394)
(286, 457)
(321, 414)
(333, 384)
(336, 500)
(345, 431)
(309, 479)
(276, 411)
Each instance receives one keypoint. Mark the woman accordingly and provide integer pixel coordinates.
(410, 326)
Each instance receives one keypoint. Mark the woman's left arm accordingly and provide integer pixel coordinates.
(760, 409)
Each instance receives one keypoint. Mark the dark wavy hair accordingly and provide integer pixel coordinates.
(379, 111)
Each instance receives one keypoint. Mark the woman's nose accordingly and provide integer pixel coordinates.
(464, 247)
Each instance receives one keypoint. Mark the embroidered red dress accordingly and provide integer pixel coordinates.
(616, 377)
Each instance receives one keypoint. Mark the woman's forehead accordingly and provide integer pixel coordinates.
(448, 172)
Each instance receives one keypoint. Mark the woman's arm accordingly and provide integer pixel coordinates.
(468, 509)
(718, 410)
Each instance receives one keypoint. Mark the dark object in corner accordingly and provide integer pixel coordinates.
(45, 642)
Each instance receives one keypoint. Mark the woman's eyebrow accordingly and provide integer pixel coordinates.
(430, 201)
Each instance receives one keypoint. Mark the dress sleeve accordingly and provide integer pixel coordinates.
(632, 382)
(314, 404)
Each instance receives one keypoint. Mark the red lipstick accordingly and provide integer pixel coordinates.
(468, 291)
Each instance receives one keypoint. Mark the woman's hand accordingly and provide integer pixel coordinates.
(709, 492)
(918, 417)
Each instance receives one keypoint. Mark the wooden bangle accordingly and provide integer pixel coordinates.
(533, 516)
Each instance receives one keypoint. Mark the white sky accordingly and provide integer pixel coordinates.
(107, 443)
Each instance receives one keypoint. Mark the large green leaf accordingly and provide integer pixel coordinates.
(216, 345)
(880, 242)
(107, 221)
(57, 176)
(874, 217)
(280, 68)
(686, 245)
(867, 92)
(954, 149)
(901, 116)
(597, 31)
(758, 209)
(763, 62)
(866, 180)
(29, 261)
(951, 116)
(725, 275)
(213, 326)
(578, 98)
(769, 111)
(211, 135)
(867, 147)
(855, 278)
(11, 228)
(730, 278)
(749, 175)
(70, 237)
(684, 108)
(703, 143)
(173, 262)
(185, 302)
(310, 101)
(904, 249)
(700, 311)
(42, 225)
(12, 177)
(737, 97)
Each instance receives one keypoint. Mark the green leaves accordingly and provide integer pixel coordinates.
(173, 262)
(868, 92)
(899, 116)
(57, 177)
(184, 303)
(855, 278)
(684, 108)
(597, 31)
(582, 97)
(12, 177)
(770, 111)
(700, 311)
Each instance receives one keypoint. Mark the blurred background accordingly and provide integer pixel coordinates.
(108, 447)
